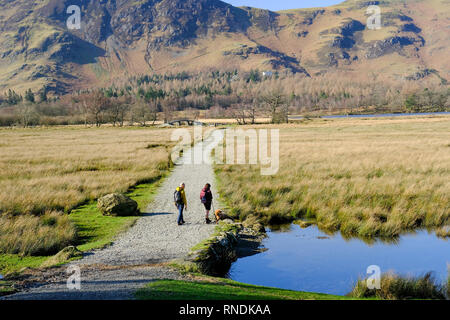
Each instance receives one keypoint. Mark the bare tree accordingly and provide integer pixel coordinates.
(277, 106)
(119, 108)
(141, 112)
(26, 113)
(155, 106)
(95, 104)
(251, 106)
(239, 113)
(168, 108)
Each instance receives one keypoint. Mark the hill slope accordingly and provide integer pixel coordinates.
(121, 38)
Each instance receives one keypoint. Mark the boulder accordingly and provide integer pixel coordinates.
(117, 204)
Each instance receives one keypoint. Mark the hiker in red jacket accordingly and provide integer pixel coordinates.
(206, 197)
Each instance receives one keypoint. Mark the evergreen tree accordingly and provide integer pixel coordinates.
(29, 96)
(43, 94)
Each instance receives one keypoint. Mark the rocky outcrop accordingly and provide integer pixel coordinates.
(345, 34)
(117, 204)
(36, 47)
(218, 253)
(279, 60)
(263, 19)
(419, 75)
(232, 240)
(312, 16)
(387, 46)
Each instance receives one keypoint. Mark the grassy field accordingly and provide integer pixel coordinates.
(93, 230)
(47, 173)
(221, 289)
(364, 177)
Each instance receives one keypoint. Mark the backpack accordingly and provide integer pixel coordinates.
(178, 198)
(206, 196)
(203, 197)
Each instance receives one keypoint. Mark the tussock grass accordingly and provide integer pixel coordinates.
(394, 287)
(443, 232)
(45, 173)
(58, 169)
(364, 177)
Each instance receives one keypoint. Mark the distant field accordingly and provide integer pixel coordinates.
(364, 177)
(45, 173)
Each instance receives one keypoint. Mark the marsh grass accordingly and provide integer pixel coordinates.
(365, 177)
(394, 287)
(36, 236)
(47, 173)
(443, 232)
(61, 168)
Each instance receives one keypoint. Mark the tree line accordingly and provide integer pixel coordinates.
(244, 96)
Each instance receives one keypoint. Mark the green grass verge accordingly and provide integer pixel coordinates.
(13, 262)
(222, 289)
(94, 230)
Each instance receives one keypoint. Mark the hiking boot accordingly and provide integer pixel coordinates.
(208, 221)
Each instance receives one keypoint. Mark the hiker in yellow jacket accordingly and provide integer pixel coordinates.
(180, 202)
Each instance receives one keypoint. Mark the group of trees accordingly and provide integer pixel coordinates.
(242, 96)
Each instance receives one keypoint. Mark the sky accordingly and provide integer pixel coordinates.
(276, 5)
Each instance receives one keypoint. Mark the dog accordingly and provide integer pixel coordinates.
(220, 215)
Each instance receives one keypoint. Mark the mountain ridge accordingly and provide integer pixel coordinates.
(119, 39)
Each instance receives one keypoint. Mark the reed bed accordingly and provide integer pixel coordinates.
(46, 172)
(365, 178)
(395, 287)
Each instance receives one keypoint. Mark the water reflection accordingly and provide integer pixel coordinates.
(308, 259)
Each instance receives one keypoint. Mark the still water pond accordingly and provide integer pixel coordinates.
(309, 260)
(387, 115)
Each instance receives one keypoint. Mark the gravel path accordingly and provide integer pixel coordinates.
(155, 238)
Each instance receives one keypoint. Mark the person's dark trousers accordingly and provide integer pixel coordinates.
(180, 216)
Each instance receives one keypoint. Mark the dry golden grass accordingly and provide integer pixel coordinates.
(31, 235)
(59, 168)
(395, 287)
(366, 178)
